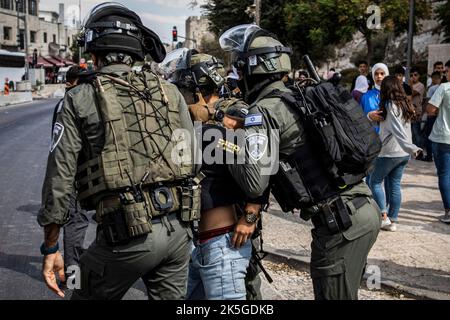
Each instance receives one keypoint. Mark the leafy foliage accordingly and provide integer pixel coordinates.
(443, 13)
(315, 27)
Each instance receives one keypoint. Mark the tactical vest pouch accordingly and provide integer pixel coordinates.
(289, 189)
(137, 219)
(191, 198)
(115, 228)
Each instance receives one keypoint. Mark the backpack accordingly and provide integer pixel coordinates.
(337, 128)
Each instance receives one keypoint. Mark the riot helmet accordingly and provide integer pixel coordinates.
(255, 50)
(189, 69)
(111, 27)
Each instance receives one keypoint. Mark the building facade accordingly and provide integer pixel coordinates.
(44, 31)
(197, 29)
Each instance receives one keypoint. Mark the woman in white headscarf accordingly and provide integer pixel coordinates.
(370, 101)
(361, 86)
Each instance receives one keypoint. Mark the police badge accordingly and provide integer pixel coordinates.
(256, 145)
(58, 131)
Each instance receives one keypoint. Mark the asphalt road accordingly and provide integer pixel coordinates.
(25, 132)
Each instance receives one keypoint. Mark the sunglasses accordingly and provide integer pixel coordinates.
(415, 74)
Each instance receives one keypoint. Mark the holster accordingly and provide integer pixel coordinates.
(335, 215)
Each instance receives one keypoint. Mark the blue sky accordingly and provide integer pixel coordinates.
(158, 15)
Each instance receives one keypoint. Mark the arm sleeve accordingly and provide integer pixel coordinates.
(61, 167)
(258, 155)
(367, 103)
(438, 96)
(399, 132)
(186, 123)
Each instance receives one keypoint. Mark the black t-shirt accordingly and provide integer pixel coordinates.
(218, 187)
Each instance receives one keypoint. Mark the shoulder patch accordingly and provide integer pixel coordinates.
(253, 120)
(257, 145)
(58, 131)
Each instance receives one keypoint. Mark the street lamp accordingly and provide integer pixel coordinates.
(410, 39)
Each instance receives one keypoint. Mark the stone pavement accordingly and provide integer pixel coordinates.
(414, 260)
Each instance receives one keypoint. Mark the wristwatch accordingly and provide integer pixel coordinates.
(251, 217)
(49, 250)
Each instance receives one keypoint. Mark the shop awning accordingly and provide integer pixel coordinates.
(66, 62)
(54, 61)
(41, 62)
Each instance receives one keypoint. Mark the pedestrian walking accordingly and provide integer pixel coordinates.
(439, 105)
(370, 101)
(397, 147)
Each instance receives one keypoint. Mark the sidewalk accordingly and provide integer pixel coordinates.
(415, 259)
(50, 91)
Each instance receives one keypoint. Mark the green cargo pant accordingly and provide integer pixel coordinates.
(338, 261)
(161, 260)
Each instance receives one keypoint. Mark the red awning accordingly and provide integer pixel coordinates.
(54, 61)
(66, 62)
(41, 62)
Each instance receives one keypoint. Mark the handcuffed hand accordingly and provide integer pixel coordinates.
(54, 264)
(242, 232)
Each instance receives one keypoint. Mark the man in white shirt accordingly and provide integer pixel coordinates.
(440, 105)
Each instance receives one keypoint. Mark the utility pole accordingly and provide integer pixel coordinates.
(18, 26)
(257, 12)
(27, 67)
(79, 26)
(410, 39)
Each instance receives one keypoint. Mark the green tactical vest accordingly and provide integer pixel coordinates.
(139, 124)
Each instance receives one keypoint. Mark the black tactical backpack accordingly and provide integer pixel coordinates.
(337, 128)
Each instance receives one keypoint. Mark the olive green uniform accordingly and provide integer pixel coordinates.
(160, 258)
(337, 261)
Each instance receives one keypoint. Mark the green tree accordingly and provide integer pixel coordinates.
(328, 22)
(443, 14)
(224, 14)
(316, 27)
(76, 51)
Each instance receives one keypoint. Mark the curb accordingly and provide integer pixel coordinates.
(303, 262)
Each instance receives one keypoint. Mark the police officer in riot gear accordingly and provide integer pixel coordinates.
(117, 138)
(274, 132)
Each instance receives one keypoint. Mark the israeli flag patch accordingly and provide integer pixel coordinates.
(253, 120)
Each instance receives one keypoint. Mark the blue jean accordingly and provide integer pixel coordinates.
(217, 270)
(441, 154)
(390, 170)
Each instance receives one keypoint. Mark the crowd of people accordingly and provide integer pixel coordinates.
(405, 116)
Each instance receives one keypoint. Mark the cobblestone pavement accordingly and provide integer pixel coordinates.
(416, 257)
(293, 284)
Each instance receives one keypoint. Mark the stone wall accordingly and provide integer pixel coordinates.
(437, 52)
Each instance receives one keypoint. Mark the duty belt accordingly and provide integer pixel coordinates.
(326, 207)
(161, 200)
